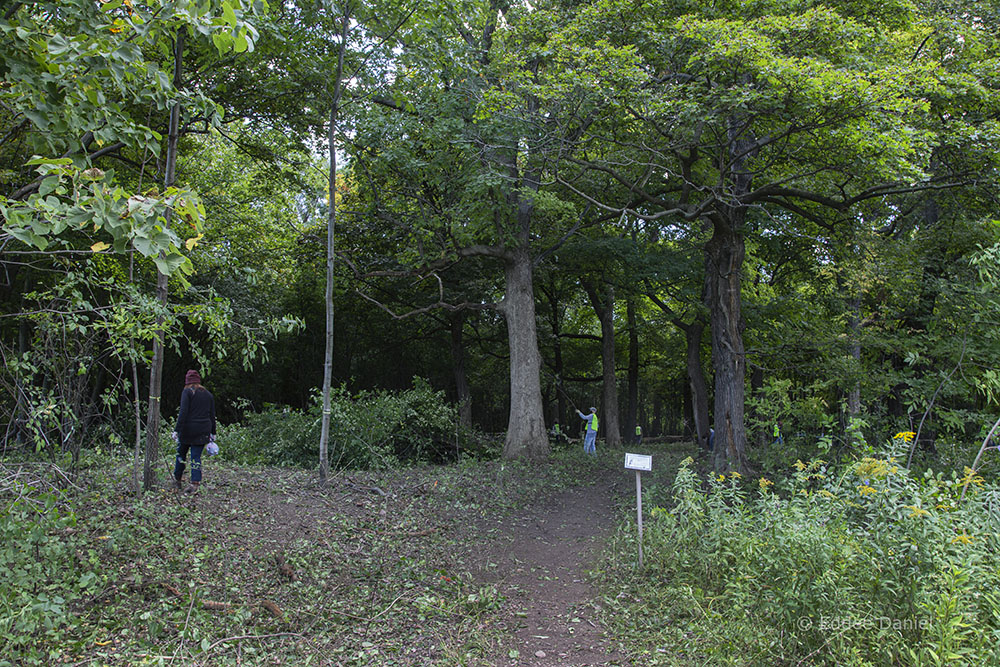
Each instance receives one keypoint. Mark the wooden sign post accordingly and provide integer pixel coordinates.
(639, 462)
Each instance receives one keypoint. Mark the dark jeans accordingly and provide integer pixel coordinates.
(182, 451)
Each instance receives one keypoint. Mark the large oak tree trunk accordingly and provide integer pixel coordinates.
(724, 255)
(526, 435)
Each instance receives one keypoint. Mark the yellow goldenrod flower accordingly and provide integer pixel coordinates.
(972, 476)
(865, 490)
(942, 507)
(799, 465)
(735, 475)
(917, 511)
(825, 493)
(869, 467)
(905, 436)
(687, 461)
(721, 478)
(963, 538)
(763, 482)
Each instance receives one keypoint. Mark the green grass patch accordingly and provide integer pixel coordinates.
(262, 566)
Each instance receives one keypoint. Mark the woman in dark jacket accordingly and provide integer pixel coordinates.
(195, 428)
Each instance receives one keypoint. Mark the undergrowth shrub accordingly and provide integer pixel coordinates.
(40, 577)
(369, 430)
(865, 564)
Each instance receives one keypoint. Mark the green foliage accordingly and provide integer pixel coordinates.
(865, 564)
(42, 577)
(87, 202)
(369, 430)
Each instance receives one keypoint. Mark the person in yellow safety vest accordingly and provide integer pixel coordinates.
(778, 440)
(638, 434)
(590, 439)
(557, 433)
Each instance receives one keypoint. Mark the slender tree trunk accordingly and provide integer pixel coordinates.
(604, 306)
(156, 364)
(526, 435)
(696, 380)
(854, 351)
(631, 418)
(331, 228)
(462, 392)
(137, 454)
(724, 255)
(609, 393)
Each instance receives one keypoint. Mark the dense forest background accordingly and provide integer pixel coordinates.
(690, 215)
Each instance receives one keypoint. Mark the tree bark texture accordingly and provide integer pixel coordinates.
(526, 437)
(724, 255)
(331, 228)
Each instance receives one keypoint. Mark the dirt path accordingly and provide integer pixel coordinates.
(542, 569)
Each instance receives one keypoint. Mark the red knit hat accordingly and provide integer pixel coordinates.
(192, 377)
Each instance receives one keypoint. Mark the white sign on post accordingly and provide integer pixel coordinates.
(639, 462)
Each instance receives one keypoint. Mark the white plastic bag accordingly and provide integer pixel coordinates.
(212, 448)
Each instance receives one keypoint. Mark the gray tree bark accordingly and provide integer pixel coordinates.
(156, 364)
(331, 227)
(526, 435)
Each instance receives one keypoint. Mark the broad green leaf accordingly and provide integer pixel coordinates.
(228, 15)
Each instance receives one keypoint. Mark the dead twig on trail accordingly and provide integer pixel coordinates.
(386, 610)
(187, 621)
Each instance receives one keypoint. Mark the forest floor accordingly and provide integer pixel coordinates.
(476, 563)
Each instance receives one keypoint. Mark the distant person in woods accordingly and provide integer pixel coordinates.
(778, 440)
(638, 434)
(557, 434)
(590, 439)
(195, 429)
